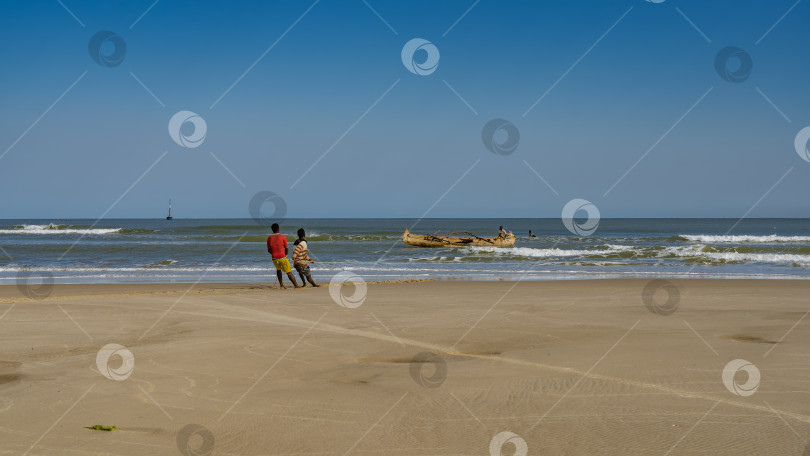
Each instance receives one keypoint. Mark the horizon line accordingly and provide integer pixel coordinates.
(401, 218)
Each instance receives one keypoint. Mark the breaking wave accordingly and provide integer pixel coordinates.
(742, 239)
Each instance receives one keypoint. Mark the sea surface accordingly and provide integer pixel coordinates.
(234, 250)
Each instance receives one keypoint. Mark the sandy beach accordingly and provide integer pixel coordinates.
(427, 368)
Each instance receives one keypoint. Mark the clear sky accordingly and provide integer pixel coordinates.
(285, 85)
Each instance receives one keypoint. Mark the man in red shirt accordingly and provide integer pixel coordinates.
(277, 248)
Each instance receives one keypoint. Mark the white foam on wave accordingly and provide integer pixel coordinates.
(531, 252)
(691, 251)
(57, 230)
(803, 260)
(742, 239)
(736, 257)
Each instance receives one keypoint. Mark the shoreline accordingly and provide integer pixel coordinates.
(10, 293)
(36, 279)
(72, 290)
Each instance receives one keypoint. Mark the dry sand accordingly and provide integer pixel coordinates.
(434, 368)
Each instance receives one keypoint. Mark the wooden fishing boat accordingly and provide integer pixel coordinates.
(435, 240)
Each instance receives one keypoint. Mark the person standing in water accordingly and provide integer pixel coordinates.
(277, 248)
(531, 235)
(301, 258)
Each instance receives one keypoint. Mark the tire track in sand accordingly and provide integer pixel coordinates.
(245, 314)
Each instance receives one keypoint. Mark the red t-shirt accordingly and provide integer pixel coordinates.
(277, 243)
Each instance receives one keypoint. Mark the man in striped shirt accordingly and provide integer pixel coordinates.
(301, 257)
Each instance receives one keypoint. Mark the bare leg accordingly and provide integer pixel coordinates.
(310, 281)
(292, 278)
(280, 283)
(303, 281)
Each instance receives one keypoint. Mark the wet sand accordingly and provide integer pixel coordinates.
(430, 368)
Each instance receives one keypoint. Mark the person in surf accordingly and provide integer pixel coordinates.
(278, 250)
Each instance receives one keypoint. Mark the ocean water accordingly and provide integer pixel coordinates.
(233, 250)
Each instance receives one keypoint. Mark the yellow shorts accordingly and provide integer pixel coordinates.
(282, 264)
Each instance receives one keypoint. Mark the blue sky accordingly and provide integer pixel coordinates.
(619, 77)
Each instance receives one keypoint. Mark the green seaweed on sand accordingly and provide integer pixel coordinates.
(99, 427)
